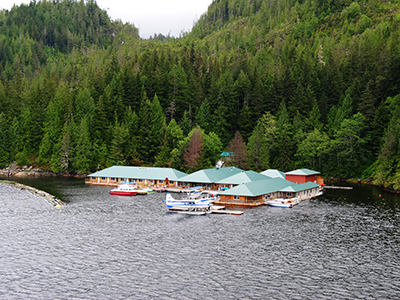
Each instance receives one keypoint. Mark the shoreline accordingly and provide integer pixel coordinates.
(48, 197)
(36, 172)
(390, 190)
(30, 172)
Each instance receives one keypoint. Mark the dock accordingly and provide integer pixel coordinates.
(338, 187)
(215, 209)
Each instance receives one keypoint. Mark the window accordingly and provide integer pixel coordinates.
(140, 180)
(171, 182)
(288, 194)
(161, 181)
(236, 197)
(112, 179)
(103, 178)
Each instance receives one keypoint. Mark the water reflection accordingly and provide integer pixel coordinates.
(342, 245)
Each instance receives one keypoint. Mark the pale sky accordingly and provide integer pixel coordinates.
(150, 16)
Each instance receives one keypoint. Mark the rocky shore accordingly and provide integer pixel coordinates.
(25, 171)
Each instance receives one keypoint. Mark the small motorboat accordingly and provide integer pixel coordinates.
(124, 190)
(283, 202)
(145, 191)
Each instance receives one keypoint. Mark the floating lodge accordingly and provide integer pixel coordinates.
(234, 186)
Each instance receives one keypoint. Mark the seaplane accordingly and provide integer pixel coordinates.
(188, 206)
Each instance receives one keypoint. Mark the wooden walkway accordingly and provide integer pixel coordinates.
(215, 209)
(338, 187)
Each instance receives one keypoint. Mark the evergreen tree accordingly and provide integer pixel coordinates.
(212, 149)
(283, 153)
(52, 126)
(203, 116)
(388, 163)
(157, 124)
(4, 141)
(312, 149)
(349, 144)
(179, 89)
(119, 141)
(174, 134)
(186, 123)
(82, 155)
(258, 149)
(145, 128)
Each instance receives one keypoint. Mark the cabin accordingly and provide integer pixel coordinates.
(302, 176)
(208, 178)
(255, 193)
(141, 176)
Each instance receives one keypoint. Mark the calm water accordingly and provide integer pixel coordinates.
(342, 245)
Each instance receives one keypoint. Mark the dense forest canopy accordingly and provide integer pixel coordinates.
(280, 84)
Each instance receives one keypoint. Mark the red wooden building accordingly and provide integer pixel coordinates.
(302, 176)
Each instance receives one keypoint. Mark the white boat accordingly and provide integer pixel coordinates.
(187, 206)
(124, 190)
(283, 202)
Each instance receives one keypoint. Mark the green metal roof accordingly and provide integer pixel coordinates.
(257, 188)
(289, 188)
(140, 173)
(210, 175)
(273, 173)
(242, 177)
(307, 185)
(302, 172)
(294, 188)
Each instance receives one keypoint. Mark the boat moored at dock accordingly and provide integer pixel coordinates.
(124, 190)
(280, 202)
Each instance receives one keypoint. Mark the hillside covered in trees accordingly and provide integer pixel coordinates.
(279, 84)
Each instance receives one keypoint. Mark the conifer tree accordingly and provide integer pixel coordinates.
(119, 141)
(258, 149)
(83, 150)
(4, 141)
(283, 158)
(203, 116)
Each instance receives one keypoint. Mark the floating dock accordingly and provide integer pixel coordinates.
(338, 187)
(215, 209)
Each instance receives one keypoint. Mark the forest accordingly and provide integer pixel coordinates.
(279, 84)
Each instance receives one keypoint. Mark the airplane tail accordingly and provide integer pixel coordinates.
(168, 198)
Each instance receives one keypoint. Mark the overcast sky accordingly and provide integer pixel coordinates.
(150, 16)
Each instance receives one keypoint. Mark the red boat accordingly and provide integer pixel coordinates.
(124, 190)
